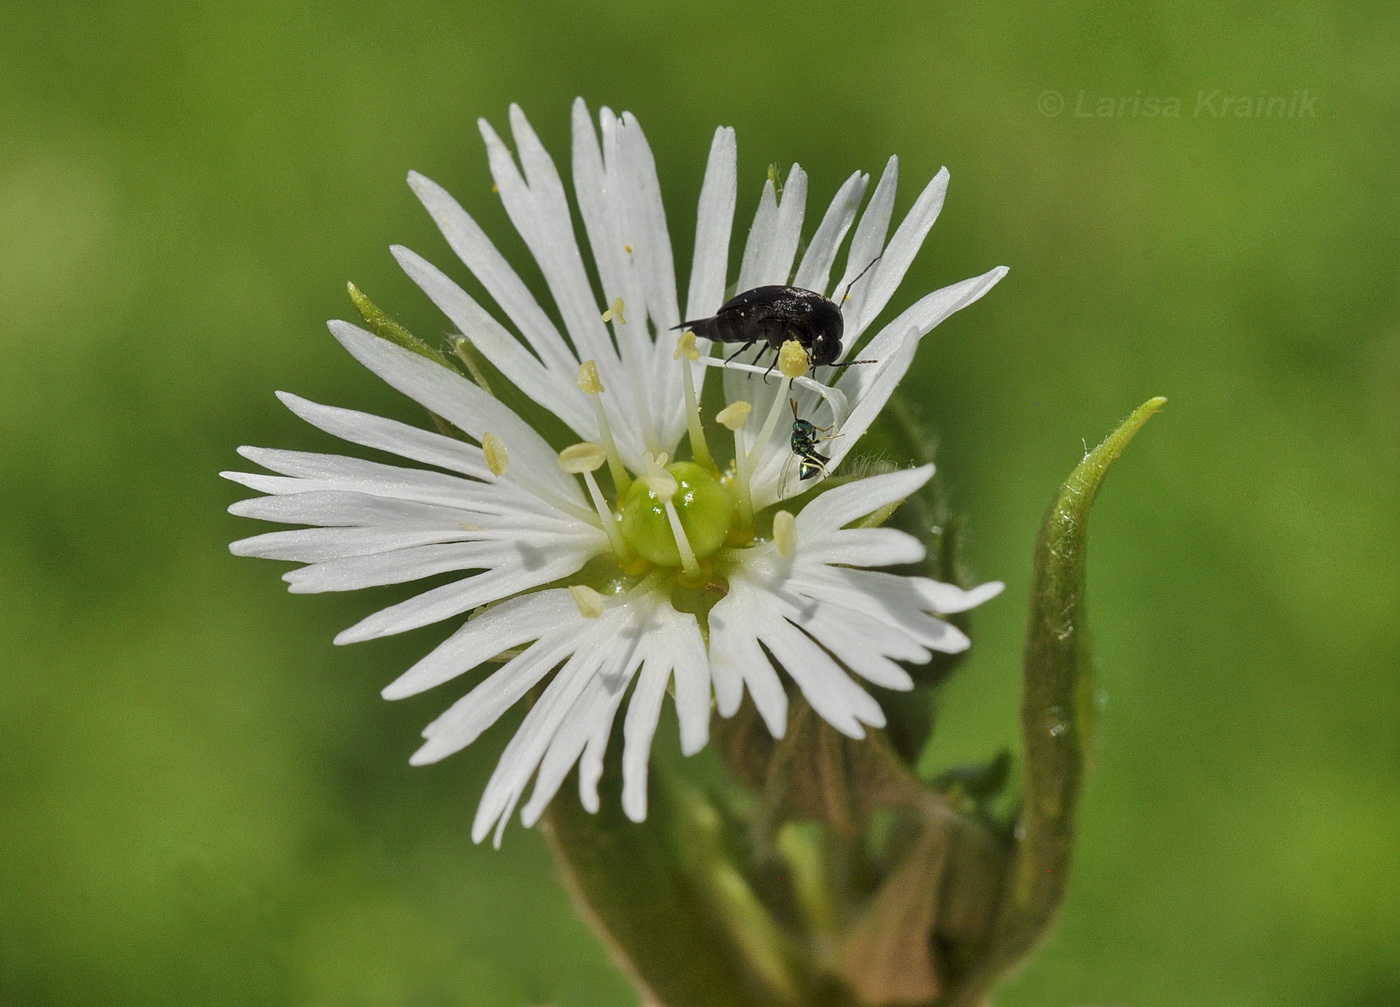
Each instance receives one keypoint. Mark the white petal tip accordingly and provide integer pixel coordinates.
(853, 729)
(988, 591)
(954, 642)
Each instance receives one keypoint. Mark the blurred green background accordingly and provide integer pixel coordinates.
(203, 802)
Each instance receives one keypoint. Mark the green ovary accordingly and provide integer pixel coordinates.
(704, 504)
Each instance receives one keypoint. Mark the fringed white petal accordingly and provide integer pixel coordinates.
(841, 505)
(870, 387)
(490, 267)
(815, 271)
(713, 223)
(737, 662)
(458, 401)
(531, 570)
(557, 392)
(531, 617)
(316, 545)
(882, 281)
(760, 236)
(866, 247)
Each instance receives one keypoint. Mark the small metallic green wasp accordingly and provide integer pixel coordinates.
(811, 462)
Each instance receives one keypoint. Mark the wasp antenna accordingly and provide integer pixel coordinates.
(793, 403)
(852, 363)
(858, 276)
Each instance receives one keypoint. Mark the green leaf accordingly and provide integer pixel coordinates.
(1057, 721)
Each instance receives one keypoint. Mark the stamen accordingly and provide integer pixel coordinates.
(664, 485)
(835, 398)
(579, 458)
(589, 602)
(466, 353)
(585, 459)
(615, 311)
(498, 461)
(733, 417)
(497, 457)
(734, 414)
(784, 534)
(590, 383)
(686, 351)
(771, 423)
(793, 359)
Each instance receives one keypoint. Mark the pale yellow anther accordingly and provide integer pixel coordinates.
(497, 457)
(734, 414)
(579, 458)
(615, 311)
(686, 348)
(590, 602)
(785, 533)
(793, 360)
(588, 379)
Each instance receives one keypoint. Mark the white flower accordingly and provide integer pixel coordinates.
(666, 573)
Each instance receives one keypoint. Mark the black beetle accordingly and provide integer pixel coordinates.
(773, 315)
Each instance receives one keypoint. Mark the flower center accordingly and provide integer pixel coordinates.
(701, 504)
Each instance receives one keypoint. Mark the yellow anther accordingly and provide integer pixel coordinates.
(785, 533)
(615, 311)
(497, 457)
(628, 249)
(734, 414)
(589, 602)
(686, 347)
(793, 360)
(588, 379)
(579, 458)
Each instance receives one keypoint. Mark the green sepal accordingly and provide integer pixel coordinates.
(679, 918)
(1057, 721)
(386, 328)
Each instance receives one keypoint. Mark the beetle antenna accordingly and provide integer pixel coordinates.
(858, 276)
(850, 363)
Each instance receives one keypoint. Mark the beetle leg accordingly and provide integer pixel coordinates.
(740, 350)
